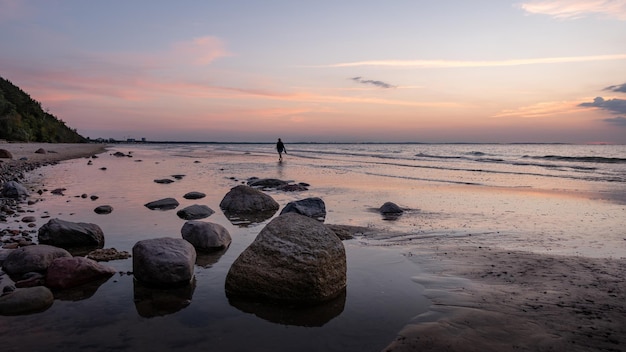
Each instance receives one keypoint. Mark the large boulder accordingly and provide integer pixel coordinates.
(13, 189)
(164, 261)
(32, 258)
(194, 212)
(66, 234)
(70, 272)
(313, 207)
(245, 199)
(206, 236)
(293, 259)
(162, 204)
(26, 301)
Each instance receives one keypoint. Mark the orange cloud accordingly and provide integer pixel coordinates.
(542, 109)
(200, 51)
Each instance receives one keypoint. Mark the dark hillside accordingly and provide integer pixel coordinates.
(23, 120)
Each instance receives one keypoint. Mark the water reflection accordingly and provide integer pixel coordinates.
(307, 316)
(247, 219)
(207, 259)
(81, 292)
(154, 302)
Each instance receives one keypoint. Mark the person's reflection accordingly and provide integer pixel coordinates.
(309, 316)
(153, 302)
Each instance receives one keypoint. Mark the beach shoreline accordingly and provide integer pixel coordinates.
(484, 298)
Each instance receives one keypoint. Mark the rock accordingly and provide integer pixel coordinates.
(103, 209)
(107, 254)
(164, 181)
(29, 219)
(206, 236)
(390, 208)
(119, 154)
(163, 204)
(63, 233)
(244, 199)
(5, 154)
(267, 183)
(71, 272)
(194, 195)
(194, 212)
(58, 191)
(293, 259)
(292, 188)
(32, 258)
(41, 151)
(26, 301)
(313, 207)
(13, 189)
(164, 261)
(178, 176)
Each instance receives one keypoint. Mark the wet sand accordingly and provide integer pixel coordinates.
(485, 298)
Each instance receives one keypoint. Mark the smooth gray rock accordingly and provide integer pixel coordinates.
(71, 272)
(162, 204)
(65, 234)
(245, 199)
(26, 301)
(194, 212)
(32, 258)
(13, 189)
(313, 207)
(293, 259)
(206, 236)
(164, 261)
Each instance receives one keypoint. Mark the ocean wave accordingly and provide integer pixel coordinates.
(584, 159)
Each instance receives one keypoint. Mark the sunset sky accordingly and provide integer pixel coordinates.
(324, 71)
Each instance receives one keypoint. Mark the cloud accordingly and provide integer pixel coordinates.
(543, 109)
(482, 63)
(201, 51)
(574, 9)
(380, 84)
(617, 121)
(618, 88)
(614, 106)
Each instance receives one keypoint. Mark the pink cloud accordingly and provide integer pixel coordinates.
(572, 9)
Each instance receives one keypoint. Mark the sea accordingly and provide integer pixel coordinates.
(555, 199)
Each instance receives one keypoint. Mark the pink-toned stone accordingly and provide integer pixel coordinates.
(75, 271)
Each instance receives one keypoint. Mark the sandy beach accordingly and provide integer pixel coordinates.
(484, 298)
(54, 151)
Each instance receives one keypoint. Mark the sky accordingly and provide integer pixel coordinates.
(484, 71)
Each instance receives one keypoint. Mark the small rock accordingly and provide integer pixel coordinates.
(103, 209)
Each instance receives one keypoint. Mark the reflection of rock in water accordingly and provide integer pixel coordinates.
(154, 302)
(247, 219)
(81, 292)
(280, 313)
(207, 259)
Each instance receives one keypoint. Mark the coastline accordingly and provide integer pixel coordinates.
(25, 159)
(483, 298)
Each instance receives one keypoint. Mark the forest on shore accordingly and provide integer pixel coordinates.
(22, 119)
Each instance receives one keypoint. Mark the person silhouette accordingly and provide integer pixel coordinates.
(280, 148)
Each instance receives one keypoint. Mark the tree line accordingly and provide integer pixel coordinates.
(23, 120)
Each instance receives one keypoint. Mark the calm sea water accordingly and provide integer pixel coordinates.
(560, 199)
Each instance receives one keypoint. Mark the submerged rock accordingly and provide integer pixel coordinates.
(194, 195)
(103, 209)
(163, 204)
(390, 208)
